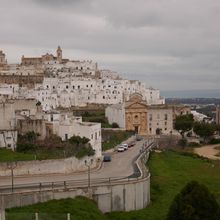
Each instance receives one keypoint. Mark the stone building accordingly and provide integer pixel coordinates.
(136, 115)
(3, 61)
(218, 115)
(44, 59)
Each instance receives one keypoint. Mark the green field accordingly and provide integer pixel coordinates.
(8, 156)
(170, 172)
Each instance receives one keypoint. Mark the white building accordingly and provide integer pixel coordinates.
(8, 138)
(66, 126)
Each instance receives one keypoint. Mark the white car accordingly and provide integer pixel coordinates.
(120, 149)
(125, 146)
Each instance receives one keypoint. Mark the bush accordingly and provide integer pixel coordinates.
(194, 202)
(115, 125)
(193, 144)
(25, 147)
(78, 140)
(84, 151)
(214, 141)
(182, 142)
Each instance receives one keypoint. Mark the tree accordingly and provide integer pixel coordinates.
(115, 125)
(183, 123)
(204, 130)
(194, 202)
(78, 140)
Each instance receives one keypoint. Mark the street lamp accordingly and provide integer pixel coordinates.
(12, 166)
(88, 163)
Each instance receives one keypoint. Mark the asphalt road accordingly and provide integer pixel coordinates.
(121, 166)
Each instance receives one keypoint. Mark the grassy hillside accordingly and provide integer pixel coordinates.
(80, 208)
(9, 155)
(170, 172)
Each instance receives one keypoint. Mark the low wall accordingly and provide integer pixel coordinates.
(36, 167)
(127, 196)
(122, 195)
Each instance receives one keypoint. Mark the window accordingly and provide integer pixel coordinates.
(96, 135)
(151, 117)
(67, 86)
(103, 97)
(73, 87)
(91, 136)
(66, 137)
(78, 87)
(165, 117)
(165, 123)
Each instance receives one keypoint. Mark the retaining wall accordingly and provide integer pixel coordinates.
(36, 167)
(126, 196)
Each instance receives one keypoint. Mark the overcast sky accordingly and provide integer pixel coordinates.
(169, 44)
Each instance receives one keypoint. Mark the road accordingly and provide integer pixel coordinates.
(209, 151)
(122, 165)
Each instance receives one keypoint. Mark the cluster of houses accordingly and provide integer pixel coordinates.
(32, 92)
(19, 116)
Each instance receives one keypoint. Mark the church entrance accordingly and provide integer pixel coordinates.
(136, 129)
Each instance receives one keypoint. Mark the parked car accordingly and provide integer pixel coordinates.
(139, 138)
(120, 149)
(131, 144)
(125, 146)
(107, 158)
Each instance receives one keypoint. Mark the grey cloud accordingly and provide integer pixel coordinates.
(158, 41)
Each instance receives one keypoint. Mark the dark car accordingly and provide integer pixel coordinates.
(131, 144)
(107, 158)
(139, 138)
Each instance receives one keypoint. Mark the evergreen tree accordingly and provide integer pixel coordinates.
(194, 202)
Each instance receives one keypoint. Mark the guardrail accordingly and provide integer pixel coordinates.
(143, 172)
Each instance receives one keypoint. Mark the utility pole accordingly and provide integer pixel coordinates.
(12, 166)
(88, 163)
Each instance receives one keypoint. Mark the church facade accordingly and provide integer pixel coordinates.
(136, 115)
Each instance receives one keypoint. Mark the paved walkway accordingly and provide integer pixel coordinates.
(208, 151)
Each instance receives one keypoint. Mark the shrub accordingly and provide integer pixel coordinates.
(214, 141)
(194, 202)
(182, 142)
(193, 144)
(115, 125)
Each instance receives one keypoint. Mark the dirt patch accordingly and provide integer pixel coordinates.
(209, 151)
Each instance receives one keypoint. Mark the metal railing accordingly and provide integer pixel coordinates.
(141, 173)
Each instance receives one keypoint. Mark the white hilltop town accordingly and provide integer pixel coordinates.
(46, 107)
(38, 94)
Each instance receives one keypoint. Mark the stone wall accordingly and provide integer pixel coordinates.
(36, 167)
(29, 81)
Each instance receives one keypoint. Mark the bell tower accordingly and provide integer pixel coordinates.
(59, 54)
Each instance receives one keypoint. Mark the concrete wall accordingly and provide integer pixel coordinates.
(67, 165)
(127, 196)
